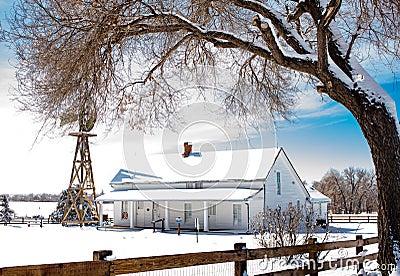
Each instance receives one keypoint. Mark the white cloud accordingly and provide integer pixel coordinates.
(314, 105)
(310, 101)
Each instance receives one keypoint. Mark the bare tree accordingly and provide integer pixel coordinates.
(76, 53)
(278, 227)
(285, 226)
(352, 191)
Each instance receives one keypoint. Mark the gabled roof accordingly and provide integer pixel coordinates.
(235, 165)
(248, 164)
(291, 167)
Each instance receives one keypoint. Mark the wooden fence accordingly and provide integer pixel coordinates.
(240, 255)
(33, 221)
(357, 218)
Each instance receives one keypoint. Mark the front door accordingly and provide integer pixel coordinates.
(144, 213)
(148, 213)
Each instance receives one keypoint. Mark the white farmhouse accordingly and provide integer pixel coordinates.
(222, 189)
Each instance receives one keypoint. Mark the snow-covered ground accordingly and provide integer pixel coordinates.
(30, 209)
(23, 245)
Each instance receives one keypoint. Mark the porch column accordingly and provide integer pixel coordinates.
(206, 217)
(131, 215)
(166, 216)
(248, 215)
(100, 213)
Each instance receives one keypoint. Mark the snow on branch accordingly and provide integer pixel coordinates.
(285, 30)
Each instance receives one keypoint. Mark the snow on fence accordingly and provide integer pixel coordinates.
(229, 262)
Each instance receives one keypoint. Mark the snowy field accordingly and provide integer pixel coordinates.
(23, 245)
(44, 209)
(30, 209)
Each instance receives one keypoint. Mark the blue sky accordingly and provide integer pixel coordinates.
(326, 135)
(321, 136)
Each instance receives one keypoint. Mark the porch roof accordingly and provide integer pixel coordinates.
(180, 195)
(316, 196)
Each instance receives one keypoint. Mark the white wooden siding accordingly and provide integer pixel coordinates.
(291, 190)
(290, 187)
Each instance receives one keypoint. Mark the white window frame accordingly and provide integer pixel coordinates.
(212, 210)
(278, 183)
(237, 214)
(189, 185)
(187, 213)
(198, 185)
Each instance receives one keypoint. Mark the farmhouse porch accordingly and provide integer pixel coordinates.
(216, 208)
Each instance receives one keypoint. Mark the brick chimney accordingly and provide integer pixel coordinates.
(187, 149)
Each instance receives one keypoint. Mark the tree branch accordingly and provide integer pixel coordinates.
(269, 39)
(330, 12)
(351, 44)
(289, 35)
(166, 56)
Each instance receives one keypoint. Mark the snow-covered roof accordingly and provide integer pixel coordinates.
(216, 166)
(316, 196)
(179, 195)
(124, 176)
(247, 164)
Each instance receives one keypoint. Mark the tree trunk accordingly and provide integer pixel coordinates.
(383, 140)
(380, 130)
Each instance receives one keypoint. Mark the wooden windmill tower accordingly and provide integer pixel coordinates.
(80, 206)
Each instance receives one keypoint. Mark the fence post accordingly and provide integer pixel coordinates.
(101, 255)
(313, 258)
(240, 266)
(359, 249)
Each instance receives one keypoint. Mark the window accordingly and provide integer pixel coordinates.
(278, 183)
(237, 214)
(199, 185)
(212, 210)
(187, 212)
(189, 185)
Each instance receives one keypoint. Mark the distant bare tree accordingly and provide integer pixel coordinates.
(75, 54)
(352, 191)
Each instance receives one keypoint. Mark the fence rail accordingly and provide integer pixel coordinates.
(240, 256)
(358, 218)
(32, 221)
